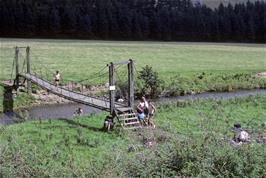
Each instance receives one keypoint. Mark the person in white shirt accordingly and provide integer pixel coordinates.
(57, 78)
(241, 136)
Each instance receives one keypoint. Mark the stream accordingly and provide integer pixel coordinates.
(57, 111)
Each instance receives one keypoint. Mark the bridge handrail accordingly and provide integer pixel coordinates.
(93, 97)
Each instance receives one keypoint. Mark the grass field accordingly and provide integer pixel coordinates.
(77, 59)
(191, 140)
(184, 67)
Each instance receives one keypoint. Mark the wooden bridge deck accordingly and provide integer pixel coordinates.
(74, 96)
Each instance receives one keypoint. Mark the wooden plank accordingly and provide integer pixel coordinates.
(127, 114)
(123, 109)
(132, 128)
(121, 62)
(128, 119)
(131, 124)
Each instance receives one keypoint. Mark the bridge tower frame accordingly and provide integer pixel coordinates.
(17, 51)
(112, 88)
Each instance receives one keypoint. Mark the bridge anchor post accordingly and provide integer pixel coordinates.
(29, 86)
(112, 88)
(130, 83)
(8, 101)
(17, 68)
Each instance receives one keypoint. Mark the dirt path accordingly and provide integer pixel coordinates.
(261, 75)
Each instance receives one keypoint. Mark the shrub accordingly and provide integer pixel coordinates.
(150, 84)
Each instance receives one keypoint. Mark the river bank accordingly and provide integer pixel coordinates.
(66, 109)
(190, 141)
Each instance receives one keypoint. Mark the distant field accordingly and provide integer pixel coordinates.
(216, 3)
(77, 59)
(185, 68)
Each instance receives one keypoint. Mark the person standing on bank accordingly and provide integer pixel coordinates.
(140, 110)
(57, 78)
(143, 110)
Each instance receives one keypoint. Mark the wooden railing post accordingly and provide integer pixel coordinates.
(17, 67)
(111, 88)
(130, 83)
(29, 89)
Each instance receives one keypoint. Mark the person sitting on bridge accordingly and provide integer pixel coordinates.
(119, 99)
(57, 78)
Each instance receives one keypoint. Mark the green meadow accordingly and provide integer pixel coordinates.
(184, 67)
(191, 140)
(77, 59)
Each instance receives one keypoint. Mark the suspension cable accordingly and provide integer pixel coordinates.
(96, 75)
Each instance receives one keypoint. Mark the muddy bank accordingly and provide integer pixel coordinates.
(261, 75)
(214, 95)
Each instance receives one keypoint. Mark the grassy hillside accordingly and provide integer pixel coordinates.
(216, 3)
(191, 140)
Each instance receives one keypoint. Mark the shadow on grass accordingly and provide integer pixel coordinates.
(74, 123)
(9, 118)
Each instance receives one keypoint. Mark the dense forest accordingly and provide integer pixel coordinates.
(169, 20)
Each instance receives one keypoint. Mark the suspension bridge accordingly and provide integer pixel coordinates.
(103, 104)
(123, 111)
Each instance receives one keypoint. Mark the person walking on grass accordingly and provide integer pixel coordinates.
(57, 78)
(152, 111)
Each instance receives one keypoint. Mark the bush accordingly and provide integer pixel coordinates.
(212, 82)
(150, 84)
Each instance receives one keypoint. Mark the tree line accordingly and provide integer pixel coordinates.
(168, 20)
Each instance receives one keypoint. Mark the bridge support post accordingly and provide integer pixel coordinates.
(130, 83)
(29, 89)
(8, 101)
(17, 67)
(112, 88)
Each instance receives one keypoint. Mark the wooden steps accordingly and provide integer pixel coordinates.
(129, 120)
